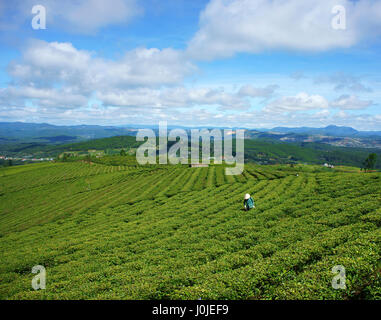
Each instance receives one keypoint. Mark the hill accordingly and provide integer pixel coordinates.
(335, 136)
(174, 232)
(40, 149)
(332, 130)
(263, 151)
(48, 133)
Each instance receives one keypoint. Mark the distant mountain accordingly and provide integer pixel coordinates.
(333, 135)
(331, 130)
(44, 132)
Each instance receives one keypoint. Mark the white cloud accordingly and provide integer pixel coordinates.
(300, 102)
(231, 26)
(179, 97)
(350, 102)
(44, 97)
(61, 63)
(76, 16)
(56, 81)
(59, 75)
(89, 15)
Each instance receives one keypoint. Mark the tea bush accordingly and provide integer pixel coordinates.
(106, 231)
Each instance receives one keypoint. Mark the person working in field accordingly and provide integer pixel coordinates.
(248, 202)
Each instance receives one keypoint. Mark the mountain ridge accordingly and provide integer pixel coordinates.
(331, 130)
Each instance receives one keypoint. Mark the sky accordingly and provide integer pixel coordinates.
(237, 63)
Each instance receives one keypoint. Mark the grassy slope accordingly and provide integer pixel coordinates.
(107, 232)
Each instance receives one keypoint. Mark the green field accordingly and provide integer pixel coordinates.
(174, 232)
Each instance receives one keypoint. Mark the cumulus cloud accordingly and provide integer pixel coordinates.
(300, 102)
(56, 74)
(45, 97)
(351, 102)
(54, 62)
(232, 26)
(55, 80)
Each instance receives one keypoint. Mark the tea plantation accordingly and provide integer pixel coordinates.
(174, 232)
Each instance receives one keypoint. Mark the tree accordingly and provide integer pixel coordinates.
(10, 163)
(122, 152)
(370, 162)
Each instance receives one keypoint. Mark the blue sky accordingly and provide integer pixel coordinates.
(252, 63)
